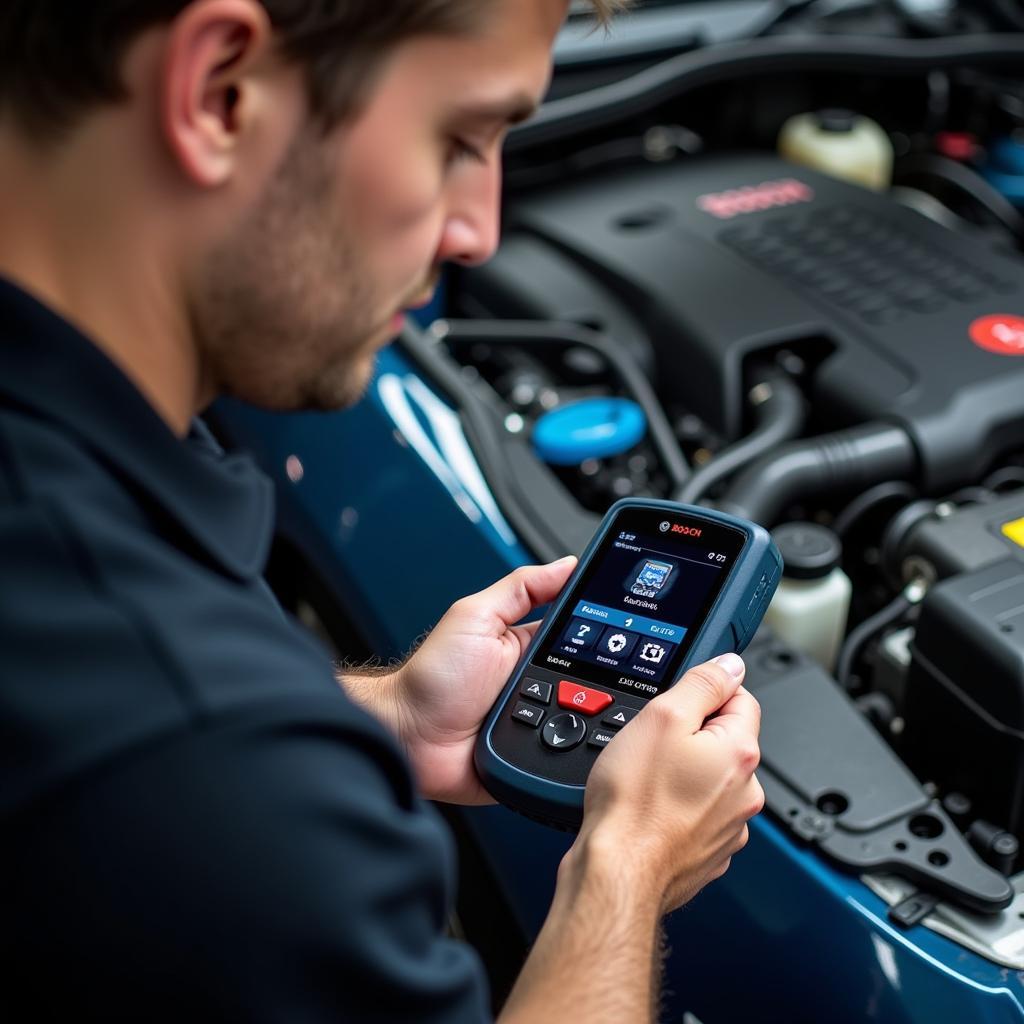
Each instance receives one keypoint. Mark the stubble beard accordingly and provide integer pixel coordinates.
(283, 314)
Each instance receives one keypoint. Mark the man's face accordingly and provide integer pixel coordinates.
(292, 306)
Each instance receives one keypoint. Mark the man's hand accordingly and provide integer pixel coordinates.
(437, 700)
(666, 807)
(677, 785)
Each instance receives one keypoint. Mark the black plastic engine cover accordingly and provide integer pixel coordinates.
(833, 780)
(709, 260)
(965, 692)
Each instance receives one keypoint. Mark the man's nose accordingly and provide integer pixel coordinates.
(473, 228)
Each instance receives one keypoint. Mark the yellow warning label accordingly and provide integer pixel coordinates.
(1015, 531)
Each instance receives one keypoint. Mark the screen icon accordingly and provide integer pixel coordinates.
(665, 526)
(580, 634)
(651, 658)
(654, 653)
(651, 578)
(616, 643)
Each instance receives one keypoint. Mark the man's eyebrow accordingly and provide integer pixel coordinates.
(513, 110)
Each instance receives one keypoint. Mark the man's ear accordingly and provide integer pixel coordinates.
(206, 78)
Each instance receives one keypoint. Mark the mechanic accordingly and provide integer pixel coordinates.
(240, 197)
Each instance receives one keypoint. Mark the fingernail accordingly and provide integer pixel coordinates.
(564, 560)
(732, 663)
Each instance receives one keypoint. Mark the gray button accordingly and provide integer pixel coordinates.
(528, 713)
(536, 690)
(619, 715)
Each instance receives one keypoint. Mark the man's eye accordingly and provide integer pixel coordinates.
(460, 151)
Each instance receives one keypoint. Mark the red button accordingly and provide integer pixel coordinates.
(1002, 333)
(579, 698)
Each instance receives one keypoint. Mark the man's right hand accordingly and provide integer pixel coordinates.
(666, 807)
(676, 787)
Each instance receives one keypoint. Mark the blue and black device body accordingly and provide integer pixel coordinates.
(660, 587)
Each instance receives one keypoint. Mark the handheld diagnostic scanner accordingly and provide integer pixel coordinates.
(661, 587)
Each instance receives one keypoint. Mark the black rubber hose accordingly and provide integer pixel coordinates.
(779, 409)
(863, 632)
(871, 499)
(846, 460)
(673, 78)
(553, 333)
(922, 169)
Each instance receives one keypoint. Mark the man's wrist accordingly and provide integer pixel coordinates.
(378, 691)
(603, 862)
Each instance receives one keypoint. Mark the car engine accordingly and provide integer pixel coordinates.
(840, 363)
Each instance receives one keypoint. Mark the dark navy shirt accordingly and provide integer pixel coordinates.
(195, 822)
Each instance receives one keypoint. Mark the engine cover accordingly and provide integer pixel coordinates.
(704, 262)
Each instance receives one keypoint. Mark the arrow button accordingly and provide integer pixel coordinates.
(536, 690)
(563, 732)
(618, 716)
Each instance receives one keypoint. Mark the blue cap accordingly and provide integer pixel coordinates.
(592, 428)
(1005, 168)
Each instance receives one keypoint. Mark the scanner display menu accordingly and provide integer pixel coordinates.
(634, 611)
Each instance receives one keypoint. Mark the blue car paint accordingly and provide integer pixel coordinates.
(784, 936)
(373, 514)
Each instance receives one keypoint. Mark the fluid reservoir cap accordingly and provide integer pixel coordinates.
(1006, 154)
(809, 551)
(592, 428)
(835, 119)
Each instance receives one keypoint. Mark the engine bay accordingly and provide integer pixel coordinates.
(833, 360)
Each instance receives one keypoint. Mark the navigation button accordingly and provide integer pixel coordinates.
(536, 690)
(565, 731)
(528, 713)
(582, 699)
(619, 715)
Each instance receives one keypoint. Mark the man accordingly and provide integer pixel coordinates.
(205, 197)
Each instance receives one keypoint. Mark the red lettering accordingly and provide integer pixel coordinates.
(754, 198)
(687, 531)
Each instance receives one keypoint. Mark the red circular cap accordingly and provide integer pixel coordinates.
(956, 145)
(1002, 333)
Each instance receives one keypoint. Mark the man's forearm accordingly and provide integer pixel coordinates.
(598, 956)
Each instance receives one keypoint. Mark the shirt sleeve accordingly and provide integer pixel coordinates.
(271, 868)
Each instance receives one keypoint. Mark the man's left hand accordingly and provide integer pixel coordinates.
(441, 695)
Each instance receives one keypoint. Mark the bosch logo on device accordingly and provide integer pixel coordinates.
(753, 198)
(687, 531)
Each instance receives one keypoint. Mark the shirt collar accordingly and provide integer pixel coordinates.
(223, 502)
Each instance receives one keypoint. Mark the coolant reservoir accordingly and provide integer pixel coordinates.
(840, 143)
(810, 607)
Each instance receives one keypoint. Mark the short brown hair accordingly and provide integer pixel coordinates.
(57, 58)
